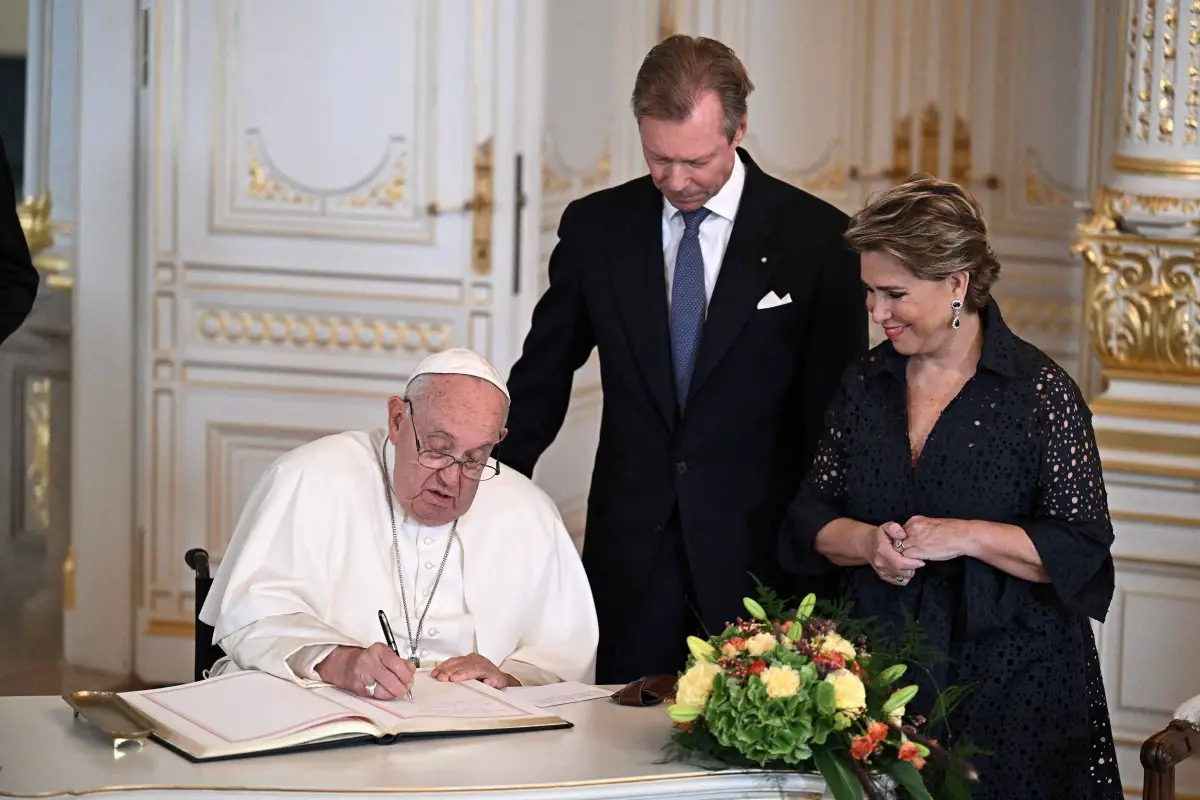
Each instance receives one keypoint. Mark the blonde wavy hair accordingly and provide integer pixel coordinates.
(934, 228)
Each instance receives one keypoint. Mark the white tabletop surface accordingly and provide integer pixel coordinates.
(610, 753)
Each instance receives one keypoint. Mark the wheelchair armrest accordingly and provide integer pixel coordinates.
(197, 559)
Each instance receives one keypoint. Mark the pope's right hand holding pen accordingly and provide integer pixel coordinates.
(377, 671)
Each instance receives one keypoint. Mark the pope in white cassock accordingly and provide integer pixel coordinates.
(471, 563)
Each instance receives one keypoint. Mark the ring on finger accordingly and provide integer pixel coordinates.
(370, 687)
(901, 579)
(898, 544)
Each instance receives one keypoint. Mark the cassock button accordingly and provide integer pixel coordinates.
(681, 467)
(433, 631)
(428, 540)
(428, 565)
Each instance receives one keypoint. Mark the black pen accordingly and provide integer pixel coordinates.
(391, 642)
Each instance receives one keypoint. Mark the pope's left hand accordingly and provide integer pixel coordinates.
(932, 539)
(473, 667)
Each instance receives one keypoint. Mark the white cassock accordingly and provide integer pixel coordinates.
(311, 563)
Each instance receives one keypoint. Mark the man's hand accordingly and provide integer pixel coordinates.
(356, 668)
(473, 667)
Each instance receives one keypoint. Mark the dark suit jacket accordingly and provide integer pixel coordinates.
(18, 278)
(758, 393)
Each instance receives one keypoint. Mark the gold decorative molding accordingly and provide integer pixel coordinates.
(1192, 102)
(1146, 93)
(68, 578)
(1146, 442)
(1142, 409)
(36, 218)
(283, 329)
(557, 180)
(929, 128)
(1166, 80)
(1157, 167)
(1046, 315)
(183, 628)
(383, 188)
(1142, 300)
(484, 200)
(38, 467)
(1040, 188)
(1112, 207)
(668, 18)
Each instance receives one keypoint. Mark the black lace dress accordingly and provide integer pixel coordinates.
(1015, 446)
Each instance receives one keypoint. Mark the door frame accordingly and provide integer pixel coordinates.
(98, 613)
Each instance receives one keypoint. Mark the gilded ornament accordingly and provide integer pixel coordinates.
(37, 470)
(321, 333)
(1143, 304)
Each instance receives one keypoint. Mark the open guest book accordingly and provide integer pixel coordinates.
(254, 713)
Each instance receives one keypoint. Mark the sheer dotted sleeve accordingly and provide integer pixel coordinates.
(821, 497)
(1071, 528)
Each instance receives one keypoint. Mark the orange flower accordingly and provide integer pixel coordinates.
(909, 752)
(787, 626)
(918, 762)
(861, 747)
(758, 667)
(830, 661)
(876, 731)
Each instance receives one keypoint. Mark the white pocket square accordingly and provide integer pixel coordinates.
(771, 300)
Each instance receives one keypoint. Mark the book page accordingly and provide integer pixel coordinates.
(436, 699)
(557, 694)
(236, 709)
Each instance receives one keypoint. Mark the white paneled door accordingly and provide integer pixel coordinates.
(329, 195)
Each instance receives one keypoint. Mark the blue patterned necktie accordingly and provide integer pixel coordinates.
(687, 303)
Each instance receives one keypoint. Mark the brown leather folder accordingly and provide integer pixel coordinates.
(646, 691)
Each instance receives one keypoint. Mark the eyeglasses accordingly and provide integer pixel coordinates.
(437, 460)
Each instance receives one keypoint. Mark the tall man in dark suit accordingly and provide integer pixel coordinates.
(18, 278)
(725, 308)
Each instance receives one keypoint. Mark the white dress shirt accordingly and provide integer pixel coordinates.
(714, 229)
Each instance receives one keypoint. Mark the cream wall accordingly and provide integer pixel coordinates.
(14, 27)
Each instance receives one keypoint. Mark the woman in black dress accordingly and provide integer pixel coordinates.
(958, 483)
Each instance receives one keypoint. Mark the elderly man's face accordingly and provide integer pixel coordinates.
(454, 414)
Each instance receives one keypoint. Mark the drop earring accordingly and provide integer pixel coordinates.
(955, 322)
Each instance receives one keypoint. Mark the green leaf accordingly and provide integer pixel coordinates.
(826, 699)
(795, 632)
(910, 779)
(806, 607)
(701, 649)
(682, 713)
(890, 675)
(900, 698)
(837, 774)
(754, 608)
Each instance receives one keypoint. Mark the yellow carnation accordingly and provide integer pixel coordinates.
(849, 692)
(760, 643)
(696, 684)
(780, 681)
(836, 643)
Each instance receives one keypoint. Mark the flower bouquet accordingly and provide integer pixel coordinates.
(793, 693)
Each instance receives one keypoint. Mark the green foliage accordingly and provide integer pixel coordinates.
(742, 726)
(909, 779)
(769, 600)
(838, 775)
(761, 728)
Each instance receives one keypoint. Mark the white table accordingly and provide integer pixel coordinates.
(610, 753)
